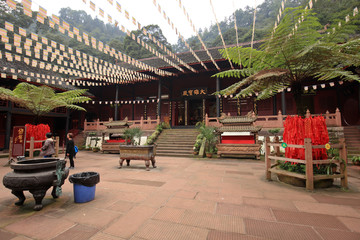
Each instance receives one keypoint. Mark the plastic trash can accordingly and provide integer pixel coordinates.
(84, 186)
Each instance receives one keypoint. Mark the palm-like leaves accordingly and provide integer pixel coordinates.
(291, 57)
(43, 99)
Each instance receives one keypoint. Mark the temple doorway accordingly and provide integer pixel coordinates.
(195, 111)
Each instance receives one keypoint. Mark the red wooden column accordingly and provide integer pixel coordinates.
(309, 164)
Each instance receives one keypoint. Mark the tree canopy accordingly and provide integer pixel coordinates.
(297, 53)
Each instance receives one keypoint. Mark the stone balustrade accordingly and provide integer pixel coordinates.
(97, 125)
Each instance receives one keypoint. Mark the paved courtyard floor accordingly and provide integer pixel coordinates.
(184, 198)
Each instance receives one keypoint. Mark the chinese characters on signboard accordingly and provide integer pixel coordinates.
(19, 138)
(194, 92)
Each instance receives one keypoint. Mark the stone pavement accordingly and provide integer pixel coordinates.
(184, 199)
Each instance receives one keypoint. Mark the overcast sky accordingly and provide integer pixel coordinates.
(146, 13)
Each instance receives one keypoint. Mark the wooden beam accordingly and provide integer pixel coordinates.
(287, 159)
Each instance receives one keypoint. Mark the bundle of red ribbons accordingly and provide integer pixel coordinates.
(38, 132)
(296, 129)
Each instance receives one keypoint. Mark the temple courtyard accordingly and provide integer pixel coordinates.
(185, 198)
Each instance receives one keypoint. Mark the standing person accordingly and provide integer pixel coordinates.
(70, 149)
(48, 149)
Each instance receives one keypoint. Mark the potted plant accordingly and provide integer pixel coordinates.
(356, 160)
(130, 134)
(135, 151)
(197, 144)
(210, 138)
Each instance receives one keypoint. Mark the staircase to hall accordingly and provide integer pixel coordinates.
(176, 142)
(352, 139)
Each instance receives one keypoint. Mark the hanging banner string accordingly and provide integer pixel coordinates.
(237, 35)
(37, 64)
(37, 49)
(171, 24)
(182, 9)
(141, 42)
(278, 17)
(54, 44)
(147, 47)
(56, 54)
(55, 21)
(222, 38)
(66, 25)
(46, 79)
(160, 45)
(253, 33)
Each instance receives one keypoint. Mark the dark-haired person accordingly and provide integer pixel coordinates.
(70, 149)
(48, 149)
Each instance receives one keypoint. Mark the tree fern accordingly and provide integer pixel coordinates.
(41, 100)
(296, 53)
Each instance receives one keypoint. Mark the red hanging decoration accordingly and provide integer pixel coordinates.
(296, 129)
(38, 132)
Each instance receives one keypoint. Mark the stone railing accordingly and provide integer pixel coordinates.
(95, 126)
(149, 124)
(277, 121)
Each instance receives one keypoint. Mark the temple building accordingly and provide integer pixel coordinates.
(182, 99)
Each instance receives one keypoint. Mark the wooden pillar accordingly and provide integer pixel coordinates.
(186, 112)
(67, 124)
(267, 160)
(57, 146)
(8, 126)
(255, 107)
(343, 162)
(159, 100)
(116, 114)
(309, 164)
(170, 113)
(359, 96)
(217, 97)
(31, 150)
(145, 111)
(10, 148)
(133, 105)
(274, 105)
(203, 109)
(283, 103)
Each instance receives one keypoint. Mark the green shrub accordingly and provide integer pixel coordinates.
(355, 159)
(131, 133)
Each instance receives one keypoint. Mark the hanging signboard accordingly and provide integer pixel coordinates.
(194, 92)
(19, 137)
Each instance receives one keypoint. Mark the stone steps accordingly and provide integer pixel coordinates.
(352, 138)
(176, 142)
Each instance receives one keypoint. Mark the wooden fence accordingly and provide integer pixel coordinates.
(309, 162)
(32, 148)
